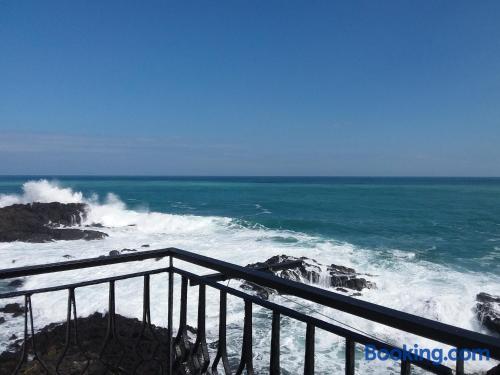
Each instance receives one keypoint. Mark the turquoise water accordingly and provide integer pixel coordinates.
(429, 245)
(452, 221)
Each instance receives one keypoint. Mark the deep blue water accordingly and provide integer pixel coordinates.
(455, 221)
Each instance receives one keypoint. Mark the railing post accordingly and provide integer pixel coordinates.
(222, 346)
(405, 367)
(275, 345)
(460, 368)
(350, 347)
(246, 349)
(199, 352)
(309, 357)
(181, 343)
(170, 315)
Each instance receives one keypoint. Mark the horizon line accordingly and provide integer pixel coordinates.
(241, 176)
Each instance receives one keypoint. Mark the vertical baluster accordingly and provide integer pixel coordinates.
(76, 336)
(24, 354)
(142, 352)
(460, 368)
(200, 350)
(111, 331)
(146, 302)
(350, 356)
(405, 367)
(246, 350)
(275, 345)
(222, 346)
(36, 356)
(309, 357)
(71, 293)
(71, 320)
(181, 341)
(170, 316)
(28, 315)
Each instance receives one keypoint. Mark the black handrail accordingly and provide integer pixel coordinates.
(441, 332)
(332, 328)
(70, 265)
(445, 333)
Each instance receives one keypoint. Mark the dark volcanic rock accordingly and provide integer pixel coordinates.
(41, 222)
(340, 277)
(96, 225)
(488, 311)
(136, 349)
(92, 331)
(13, 308)
(17, 283)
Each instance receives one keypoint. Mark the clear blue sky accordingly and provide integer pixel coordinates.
(250, 87)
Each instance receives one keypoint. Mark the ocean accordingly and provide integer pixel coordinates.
(429, 244)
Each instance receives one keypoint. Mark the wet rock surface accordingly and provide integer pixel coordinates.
(16, 283)
(132, 347)
(494, 371)
(42, 222)
(342, 278)
(15, 309)
(121, 355)
(488, 311)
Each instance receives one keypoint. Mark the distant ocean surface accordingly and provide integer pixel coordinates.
(452, 221)
(430, 244)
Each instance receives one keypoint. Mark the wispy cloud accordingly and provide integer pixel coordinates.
(66, 143)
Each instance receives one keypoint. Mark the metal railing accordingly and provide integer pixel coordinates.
(177, 354)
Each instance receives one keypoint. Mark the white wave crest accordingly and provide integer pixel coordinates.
(41, 191)
(403, 281)
(112, 212)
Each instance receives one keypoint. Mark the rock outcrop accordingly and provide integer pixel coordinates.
(43, 222)
(488, 311)
(308, 270)
(133, 348)
(51, 340)
(14, 309)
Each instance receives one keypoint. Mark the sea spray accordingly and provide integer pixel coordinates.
(403, 282)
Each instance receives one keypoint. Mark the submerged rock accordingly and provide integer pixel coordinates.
(309, 270)
(488, 311)
(42, 222)
(16, 283)
(13, 308)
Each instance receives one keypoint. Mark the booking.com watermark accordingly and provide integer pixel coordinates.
(417, 354)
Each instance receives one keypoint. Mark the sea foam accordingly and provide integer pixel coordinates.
(403, 282)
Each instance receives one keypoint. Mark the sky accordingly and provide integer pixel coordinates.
(321, 88)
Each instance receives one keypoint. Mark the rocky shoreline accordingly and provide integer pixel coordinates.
(43, 222)
(488, 311)
(135, 348)
(343, 279)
